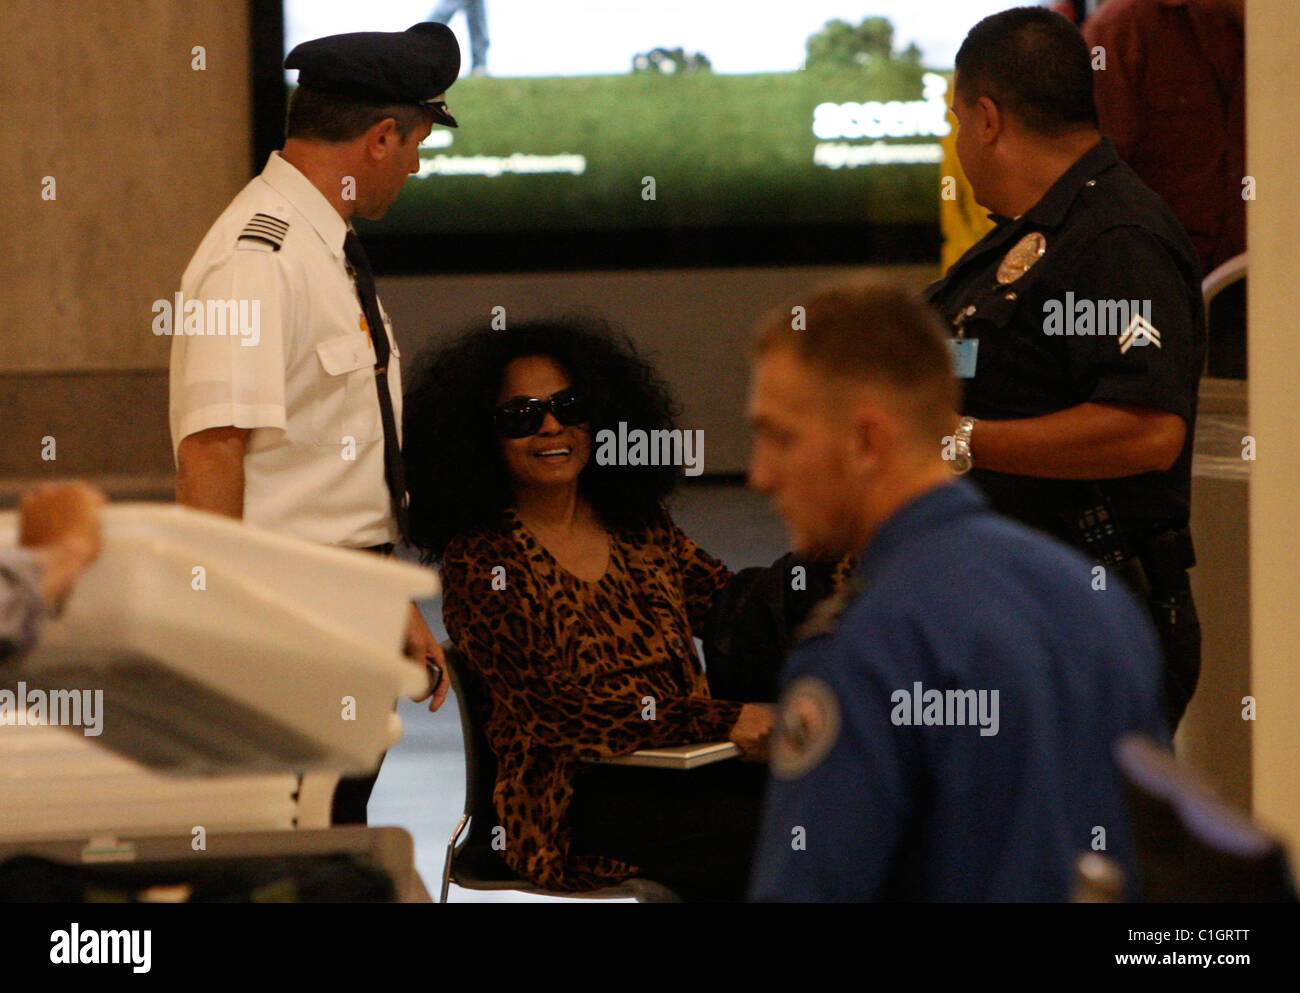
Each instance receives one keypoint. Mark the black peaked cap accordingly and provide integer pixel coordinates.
(414, 66)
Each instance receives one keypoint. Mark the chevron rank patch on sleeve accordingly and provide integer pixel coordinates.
(267, 229)
(1140, 331)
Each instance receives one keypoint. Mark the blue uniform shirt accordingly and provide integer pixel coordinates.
(949, 737)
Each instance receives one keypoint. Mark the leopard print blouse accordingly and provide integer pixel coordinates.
(568, 666)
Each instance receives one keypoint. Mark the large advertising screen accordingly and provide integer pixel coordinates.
(610, 118)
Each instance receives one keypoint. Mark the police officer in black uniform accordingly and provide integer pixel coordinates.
(1078, 331)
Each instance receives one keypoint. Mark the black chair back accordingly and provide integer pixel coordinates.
(480, 772)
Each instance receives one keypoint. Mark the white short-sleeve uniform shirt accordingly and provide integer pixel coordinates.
(298, 369)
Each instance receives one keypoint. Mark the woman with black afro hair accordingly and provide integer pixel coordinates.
(573, 600)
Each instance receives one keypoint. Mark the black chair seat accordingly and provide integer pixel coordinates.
(472, 863)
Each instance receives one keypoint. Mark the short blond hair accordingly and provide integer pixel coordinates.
(877, 334)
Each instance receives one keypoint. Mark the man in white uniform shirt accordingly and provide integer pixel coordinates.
(280, 415)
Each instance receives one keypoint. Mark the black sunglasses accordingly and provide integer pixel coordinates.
(521, 416)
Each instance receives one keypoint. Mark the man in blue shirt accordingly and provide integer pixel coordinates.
(947, 723)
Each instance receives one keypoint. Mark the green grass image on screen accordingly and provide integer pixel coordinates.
(723, 150)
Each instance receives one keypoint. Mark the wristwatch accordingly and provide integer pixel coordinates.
(962, 459)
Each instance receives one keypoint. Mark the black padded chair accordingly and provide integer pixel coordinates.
(1192, 847)
(472, 863)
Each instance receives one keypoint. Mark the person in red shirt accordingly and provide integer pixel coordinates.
(1075, 10)
(1172, 99)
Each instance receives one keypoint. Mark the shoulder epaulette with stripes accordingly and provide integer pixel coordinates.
(264, 227)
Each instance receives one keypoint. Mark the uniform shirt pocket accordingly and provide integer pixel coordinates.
(992, 324)
(1020, 369)
(347, 404)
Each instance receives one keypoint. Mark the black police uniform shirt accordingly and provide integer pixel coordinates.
(871, 799)
(1107, 239)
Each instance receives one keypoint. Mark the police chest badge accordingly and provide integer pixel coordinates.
(807, 727)
(1021, 258)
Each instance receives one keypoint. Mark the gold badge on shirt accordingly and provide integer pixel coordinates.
(1022, 257)
(365, 325)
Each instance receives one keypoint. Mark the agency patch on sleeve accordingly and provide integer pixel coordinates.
(808, 725)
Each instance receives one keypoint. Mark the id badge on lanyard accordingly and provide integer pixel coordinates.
(963, 351)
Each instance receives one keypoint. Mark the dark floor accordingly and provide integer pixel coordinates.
(422, 785)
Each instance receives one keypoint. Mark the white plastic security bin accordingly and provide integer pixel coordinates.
(223, 648)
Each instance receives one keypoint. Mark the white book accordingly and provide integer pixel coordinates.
(677, 756)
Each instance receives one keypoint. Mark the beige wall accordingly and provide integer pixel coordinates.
(1272, 155)
(144, 151)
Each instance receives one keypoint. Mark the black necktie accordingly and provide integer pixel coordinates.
(394, 472)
